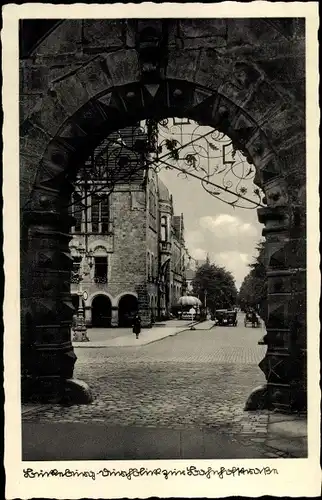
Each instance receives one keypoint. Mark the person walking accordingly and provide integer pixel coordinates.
(137, 325)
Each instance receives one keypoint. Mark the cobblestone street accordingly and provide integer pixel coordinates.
(198, 378)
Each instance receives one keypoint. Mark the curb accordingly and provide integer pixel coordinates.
(88, 345)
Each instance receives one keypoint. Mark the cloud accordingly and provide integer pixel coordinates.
(199, 253)
(229, 241)
(235, 262)
(226, 226)
(194, 238)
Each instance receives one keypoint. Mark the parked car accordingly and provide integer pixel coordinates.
(252, 319)
(224, 317)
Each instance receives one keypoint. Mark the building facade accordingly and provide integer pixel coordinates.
(127, 245)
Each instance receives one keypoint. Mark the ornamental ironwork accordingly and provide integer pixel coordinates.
(193, 150)
(207, 155)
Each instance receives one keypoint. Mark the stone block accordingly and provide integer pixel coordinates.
(277, 312)
(281, 126)
(212, 69)
(265, 102)
(57, 155)
(282, 70)
(279, 284)
(220, 113)
(215, 42)
(130, 33)
(27, 177)
(33, 139)
(66, 38)
(280, 396)
(259, 150)
(293, 162)
(264, 32)
(34, 79)
(49, 115)
(240, 34)
(103, 34)
(279, 338)
(296, 253)
(63, 70)
(182, 64)
(93, 77)
(241, 83)
(71, 94)
(71, 130)
(278, 368)
(233, 93)
(51, 334)
(203, 28)
(87, 119)
(26, 104)
(122, 66)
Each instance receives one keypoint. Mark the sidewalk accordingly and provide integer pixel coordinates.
(97, 441)
(288, 434)
(147, 336)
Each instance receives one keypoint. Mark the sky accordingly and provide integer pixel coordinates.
(229, 235)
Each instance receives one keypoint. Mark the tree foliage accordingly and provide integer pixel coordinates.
(253, 290)
(217, 283)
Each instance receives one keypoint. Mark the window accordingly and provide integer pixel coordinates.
(164, 229)
(100, 212)
(77, 212)
(100, 274)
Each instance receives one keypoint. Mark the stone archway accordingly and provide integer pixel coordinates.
(127, 307)
(101, 311)
(219, 72)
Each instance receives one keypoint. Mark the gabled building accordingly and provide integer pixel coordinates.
(127, 245)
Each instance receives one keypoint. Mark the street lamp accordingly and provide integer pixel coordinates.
(80, 329)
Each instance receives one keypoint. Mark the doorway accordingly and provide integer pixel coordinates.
(101, 312)
(128, 306)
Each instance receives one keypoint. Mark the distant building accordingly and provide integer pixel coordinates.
(127, 247)
(190, 274)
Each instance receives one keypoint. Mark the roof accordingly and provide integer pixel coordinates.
(164, 194)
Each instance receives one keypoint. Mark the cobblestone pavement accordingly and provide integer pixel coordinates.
(198, 378)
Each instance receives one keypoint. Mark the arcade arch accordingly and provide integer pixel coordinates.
(127, 307)
(101, 311)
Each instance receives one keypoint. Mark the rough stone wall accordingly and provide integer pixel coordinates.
(128, 259)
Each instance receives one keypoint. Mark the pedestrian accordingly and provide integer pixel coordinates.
(137, 325)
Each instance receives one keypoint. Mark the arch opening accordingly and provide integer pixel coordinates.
(101, 311)
(127, 308)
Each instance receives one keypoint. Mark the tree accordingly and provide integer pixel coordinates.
(217, 284)
(253, 291)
